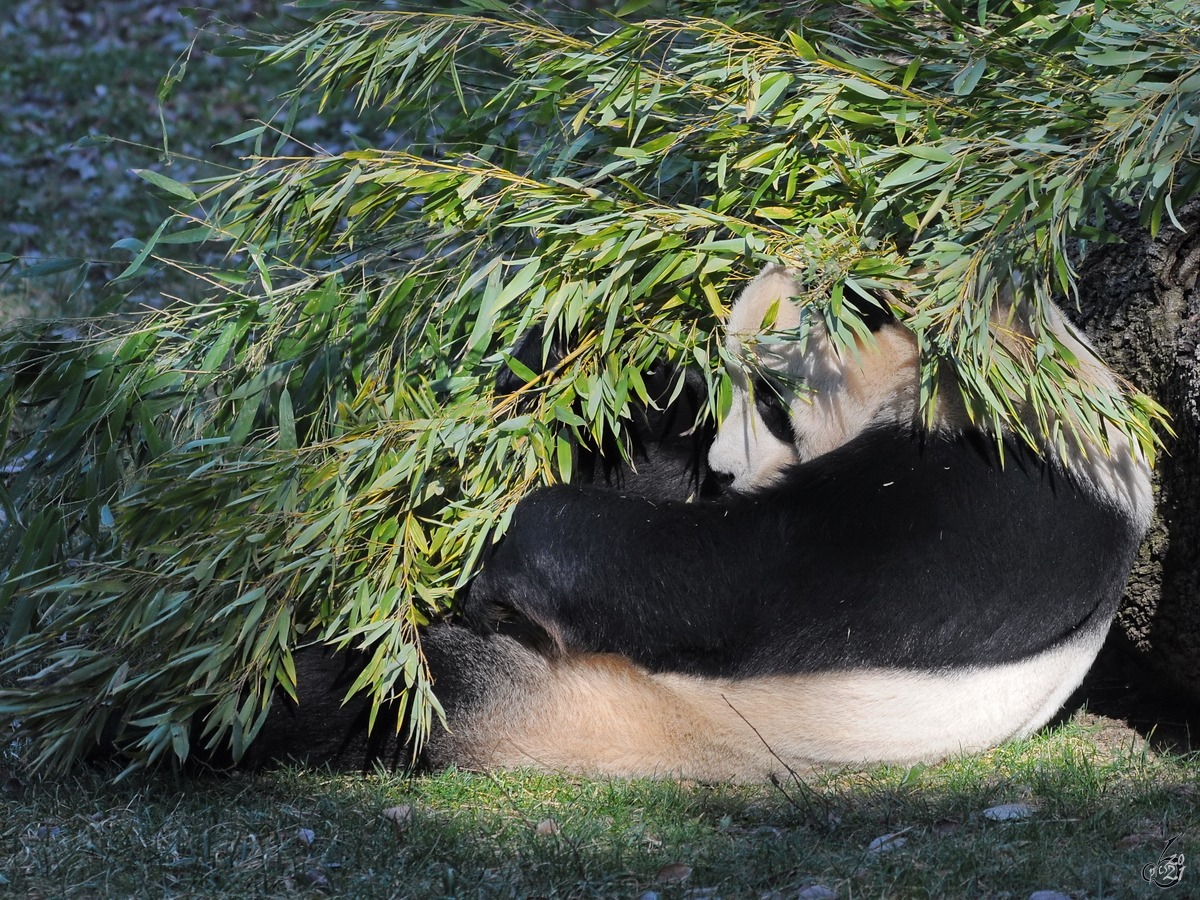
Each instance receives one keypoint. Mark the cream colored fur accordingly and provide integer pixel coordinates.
(844, 394)
(602, 715)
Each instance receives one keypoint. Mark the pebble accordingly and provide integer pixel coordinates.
(673, 873)
(887, 842)
(1007, 812)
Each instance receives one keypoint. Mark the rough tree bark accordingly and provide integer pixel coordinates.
(1140, 307)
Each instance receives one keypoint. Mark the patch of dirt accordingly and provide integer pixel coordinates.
(1131, 707)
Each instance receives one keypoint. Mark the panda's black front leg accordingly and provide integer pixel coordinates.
(540, 583)
(508, 596)
(587, 569)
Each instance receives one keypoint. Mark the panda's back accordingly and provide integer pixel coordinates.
(931, 551)
(897, 550)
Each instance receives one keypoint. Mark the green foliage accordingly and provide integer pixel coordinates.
(316, 453)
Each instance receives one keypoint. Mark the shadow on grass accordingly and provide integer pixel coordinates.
(1090, 815)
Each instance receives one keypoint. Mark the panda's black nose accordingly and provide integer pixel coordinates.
(716, 483)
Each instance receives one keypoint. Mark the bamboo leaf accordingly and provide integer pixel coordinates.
(315, 443)
(966, 80)
(170, 185)
(1121, 58)
(287, 422)
(134, 267)
(49, 267)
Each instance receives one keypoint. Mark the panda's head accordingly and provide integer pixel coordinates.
(798, 399)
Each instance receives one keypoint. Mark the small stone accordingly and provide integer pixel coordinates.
(885, 843)
(1008, 812)
(943, 828)
(673, 873)
(13, 785)
(399, 816)
(817, 892)
(649, 895)
(546, 828)
(316, 878)
(306, 835)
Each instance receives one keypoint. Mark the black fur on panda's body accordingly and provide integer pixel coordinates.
(667, 440)
(895, 550)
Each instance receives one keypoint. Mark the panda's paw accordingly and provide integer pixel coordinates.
(484, 614)
(481, 611)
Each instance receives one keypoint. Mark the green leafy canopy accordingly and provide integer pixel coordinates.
(316, 454)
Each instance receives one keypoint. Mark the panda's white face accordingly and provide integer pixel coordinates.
(842, 395)
(745, 447)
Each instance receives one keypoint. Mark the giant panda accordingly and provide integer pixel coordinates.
(871, 588)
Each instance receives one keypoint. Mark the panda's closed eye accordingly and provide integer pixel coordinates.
(773, 411)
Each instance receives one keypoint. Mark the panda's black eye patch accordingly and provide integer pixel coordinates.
(874, 312)
(773, 411)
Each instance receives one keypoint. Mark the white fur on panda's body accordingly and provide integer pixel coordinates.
(602, 713)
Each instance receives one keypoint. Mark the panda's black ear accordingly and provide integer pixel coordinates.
(873, 310)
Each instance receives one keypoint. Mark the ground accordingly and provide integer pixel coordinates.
(1080, 809)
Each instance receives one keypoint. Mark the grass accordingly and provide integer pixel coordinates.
(1100, 808)
(69, 69)
(73, 69)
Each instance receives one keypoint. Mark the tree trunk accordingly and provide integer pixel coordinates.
(1140, 307)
